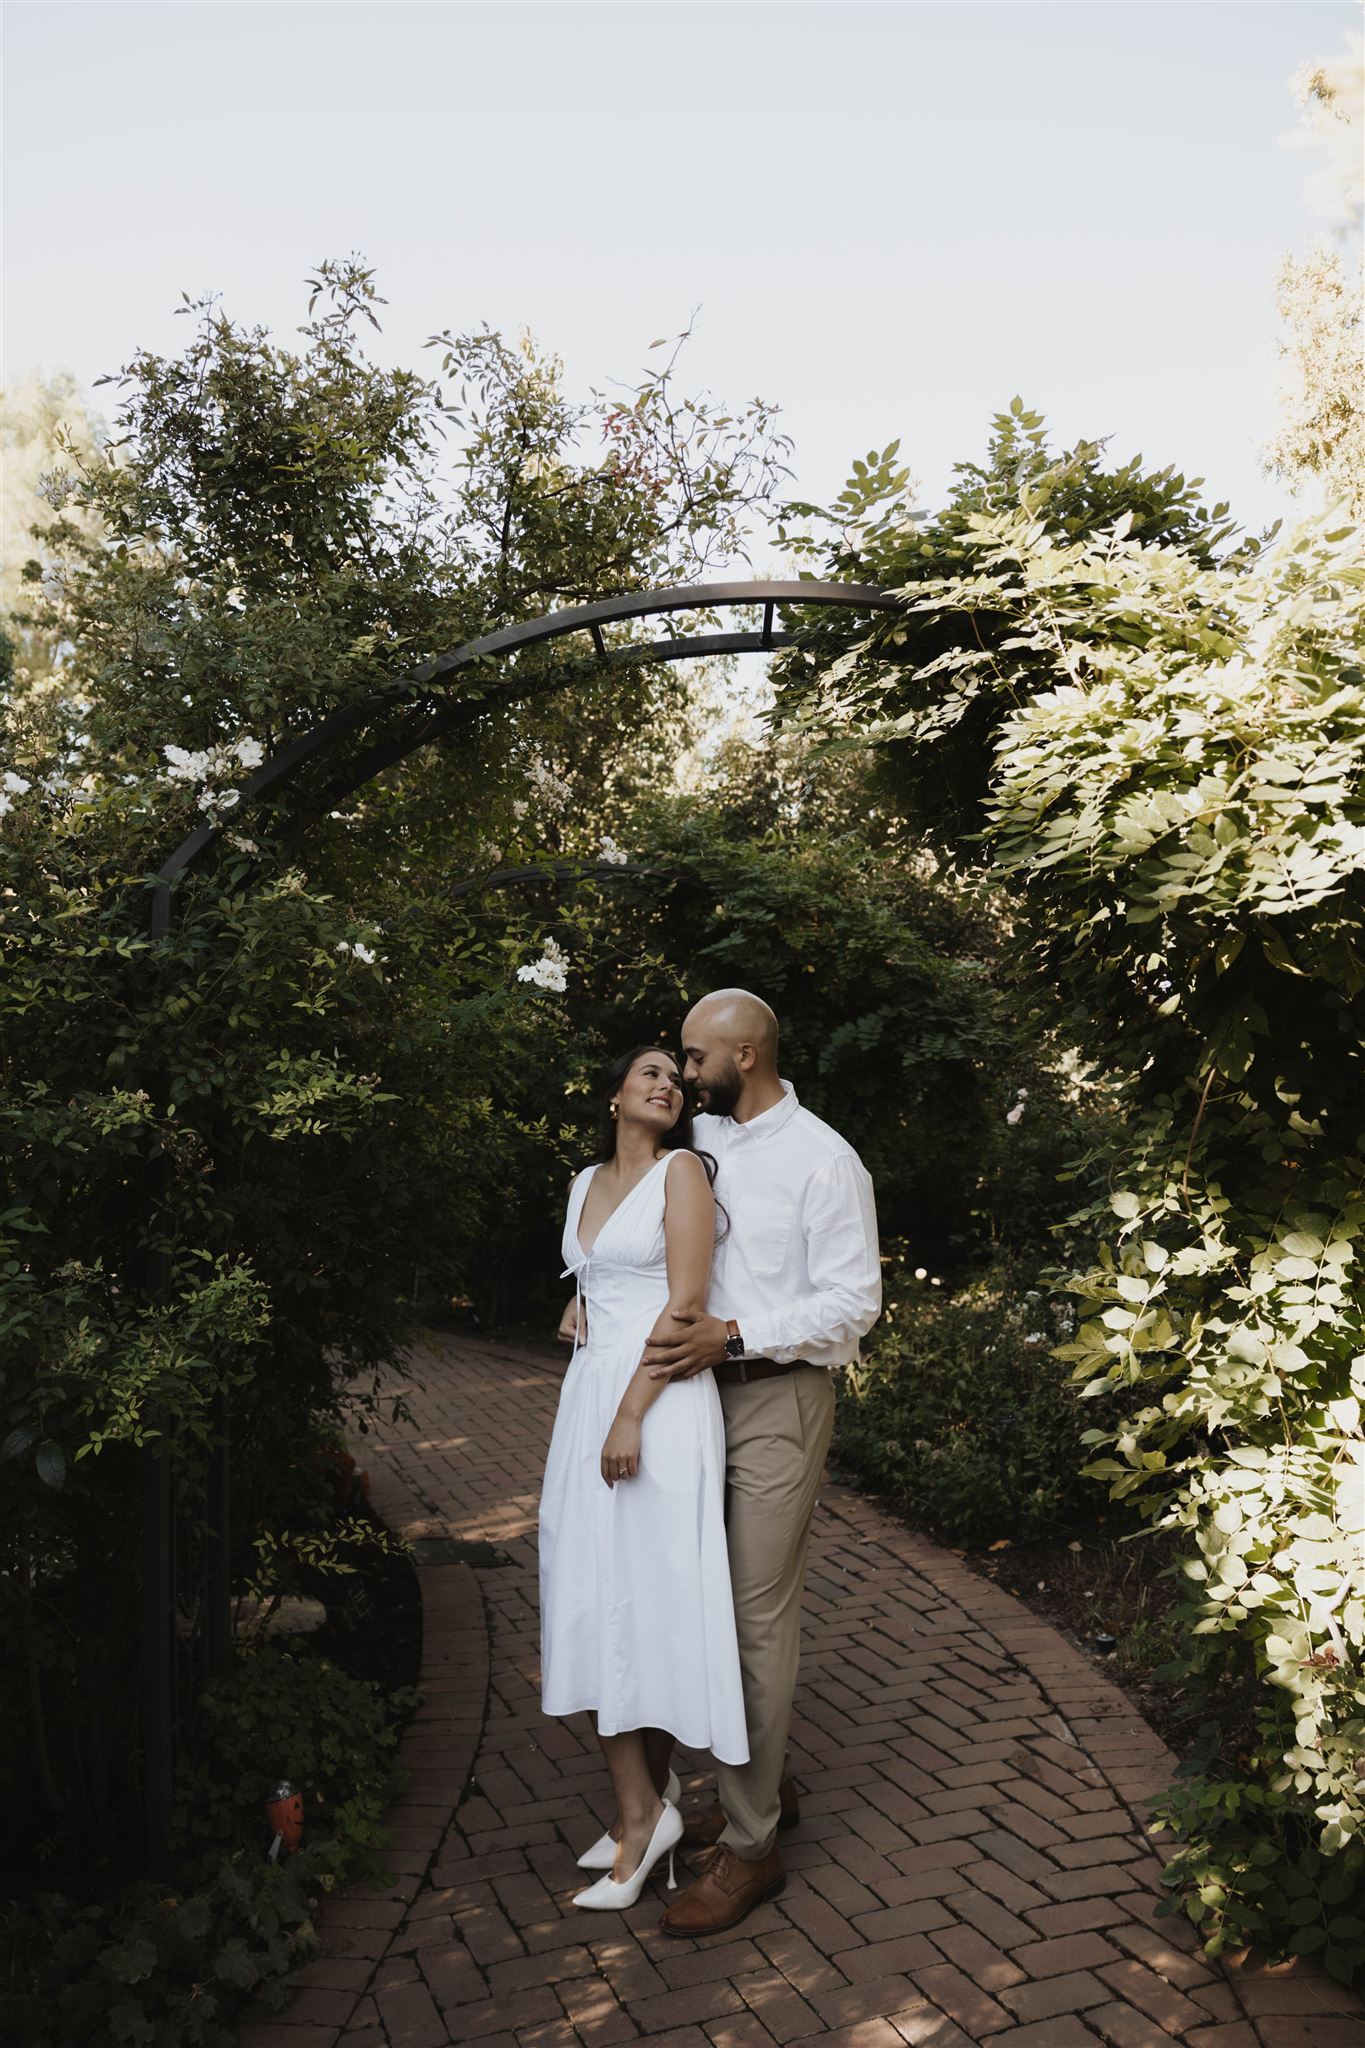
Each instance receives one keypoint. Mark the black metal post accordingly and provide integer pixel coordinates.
(217, 1621)
(158, 1671)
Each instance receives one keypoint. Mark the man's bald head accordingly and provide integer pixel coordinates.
(739, 1017)
(730, 1046)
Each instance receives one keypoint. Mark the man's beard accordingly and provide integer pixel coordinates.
(723, 1093)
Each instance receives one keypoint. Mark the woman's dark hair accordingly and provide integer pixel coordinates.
(679, 1139)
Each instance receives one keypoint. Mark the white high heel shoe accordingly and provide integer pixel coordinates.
(602, 1854)
(607, 1896)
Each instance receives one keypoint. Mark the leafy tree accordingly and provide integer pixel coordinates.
(39, 417)
(310, 1064)
(1156, 745)
(1320, 435)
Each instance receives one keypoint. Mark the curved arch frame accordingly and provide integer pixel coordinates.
(433, 720)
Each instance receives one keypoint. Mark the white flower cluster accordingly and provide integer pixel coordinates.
(1332, 93)
(550, 971)
(362, 952)
(208, 766)
(11, 786)
(612, 853)
(55, 487)
(1016, 1115)
(552, 792)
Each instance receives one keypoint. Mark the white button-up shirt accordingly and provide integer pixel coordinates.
(799, 1268)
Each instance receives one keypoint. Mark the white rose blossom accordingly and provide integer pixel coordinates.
(183, 766)
(550, 971)
(612, 853)
(552, 792)
(205, 767)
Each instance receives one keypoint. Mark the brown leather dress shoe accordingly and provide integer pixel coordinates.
(725, 1889)
(706, 1827)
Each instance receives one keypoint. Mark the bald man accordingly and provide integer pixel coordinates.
(796, 1283)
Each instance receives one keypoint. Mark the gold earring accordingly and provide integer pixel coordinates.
(615, 1111)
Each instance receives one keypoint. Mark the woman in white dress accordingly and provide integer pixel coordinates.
(636, 1616)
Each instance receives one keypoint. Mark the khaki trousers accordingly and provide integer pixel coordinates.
(777, 1433)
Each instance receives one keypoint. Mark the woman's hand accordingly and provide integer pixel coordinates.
(621, 1451)
(573, 1324)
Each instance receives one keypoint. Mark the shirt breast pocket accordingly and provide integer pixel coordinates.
(765, 1232)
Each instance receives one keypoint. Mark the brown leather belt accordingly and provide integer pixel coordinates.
(744, 1369)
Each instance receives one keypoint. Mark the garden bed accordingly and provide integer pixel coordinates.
(1110, 1598)
(96, 1953)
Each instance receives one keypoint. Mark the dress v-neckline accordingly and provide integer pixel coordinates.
(588, 1250)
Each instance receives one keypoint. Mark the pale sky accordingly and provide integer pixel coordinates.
(890, 217)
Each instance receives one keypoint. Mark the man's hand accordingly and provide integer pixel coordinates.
(699, 1344)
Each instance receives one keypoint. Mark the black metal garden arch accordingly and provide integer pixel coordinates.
(411, 712)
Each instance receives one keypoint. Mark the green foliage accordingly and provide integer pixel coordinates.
(959, 1415)
(1250, 1873)
(282, 1716)
(157, 1970)
(1243, 1327)
(929, 695)
(899, 1020)
(168, 1964)
(1158, 749)
(293, 1097)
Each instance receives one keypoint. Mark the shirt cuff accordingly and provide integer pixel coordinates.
(759, 1334)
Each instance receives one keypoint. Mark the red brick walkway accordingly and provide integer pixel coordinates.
(971, 1862)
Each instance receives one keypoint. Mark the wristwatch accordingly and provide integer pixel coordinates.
(734, 1343)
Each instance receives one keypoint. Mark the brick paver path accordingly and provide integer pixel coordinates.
(970, 1865)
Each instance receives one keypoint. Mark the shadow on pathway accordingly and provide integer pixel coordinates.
(971, 1863)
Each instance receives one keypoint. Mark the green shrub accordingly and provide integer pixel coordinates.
(167, 1964)
(1250, 1870)
(959, 1416)
(154, 1968)
(280, 1715)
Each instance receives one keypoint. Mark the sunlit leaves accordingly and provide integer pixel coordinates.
(1157, 742)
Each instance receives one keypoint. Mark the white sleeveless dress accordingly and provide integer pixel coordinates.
(636, 1613)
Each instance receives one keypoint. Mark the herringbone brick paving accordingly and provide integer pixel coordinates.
(971, 1863)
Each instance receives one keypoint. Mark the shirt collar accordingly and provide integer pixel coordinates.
(770, 1121)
